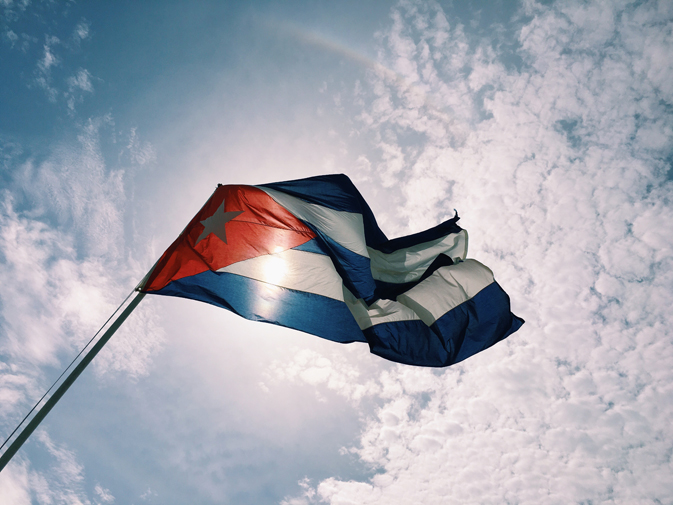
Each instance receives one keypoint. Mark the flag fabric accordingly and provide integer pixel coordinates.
(309, 255)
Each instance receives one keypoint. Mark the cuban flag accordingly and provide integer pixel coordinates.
(309, 255)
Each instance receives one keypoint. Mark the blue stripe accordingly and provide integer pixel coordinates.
(484, 320)
(337, 192)
(409, 342)
(259, 301)
(471, 327)
(355, 270)
(460, 333)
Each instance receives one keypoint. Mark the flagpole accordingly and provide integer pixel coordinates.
(41, 414)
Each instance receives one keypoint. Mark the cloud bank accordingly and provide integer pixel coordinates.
(558, 161)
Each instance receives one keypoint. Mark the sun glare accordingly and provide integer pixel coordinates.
(274, 269)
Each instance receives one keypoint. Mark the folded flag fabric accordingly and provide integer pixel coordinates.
(309, 255)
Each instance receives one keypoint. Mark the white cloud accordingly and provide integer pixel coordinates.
(13, 9)
(558, 172)
(307, 497)
(14, 487)
(148, 495)
(81, 80)
(11, 36)
(104, 495)
(70, 276)
(55, 71)
(337, 374)
(78, 85)
(48, 58)
(60, 483)
(81, 31)
(43, 75)
(140, 153)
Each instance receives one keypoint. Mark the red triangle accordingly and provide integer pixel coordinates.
(263, 227)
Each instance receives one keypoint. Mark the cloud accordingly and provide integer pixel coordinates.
(558, 168)
(14, 485)
(11, 36)
(48, 60)
(56, 69)
(148, 495)
(78, 85)
(62, 482)
(81, 31)
(307, 497)
(65, 249)
(140, 152)
(12, 9)
(338, 374)
(75, 186)
(104, 495)
(81, 80)
(20, 41)
(68, 475)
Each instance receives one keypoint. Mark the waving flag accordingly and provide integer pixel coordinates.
(308, 255)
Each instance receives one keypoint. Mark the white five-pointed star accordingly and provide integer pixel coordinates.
(215, 224)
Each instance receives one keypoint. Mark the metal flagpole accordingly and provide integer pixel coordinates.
(30, 427)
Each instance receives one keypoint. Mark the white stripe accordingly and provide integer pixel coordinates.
(406, 265)
(299, 270)
(382, 311)
(446, 288)
(345, 228)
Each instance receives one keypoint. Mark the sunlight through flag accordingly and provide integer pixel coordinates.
(309, 255)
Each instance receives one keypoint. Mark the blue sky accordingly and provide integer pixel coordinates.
(547, 125)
